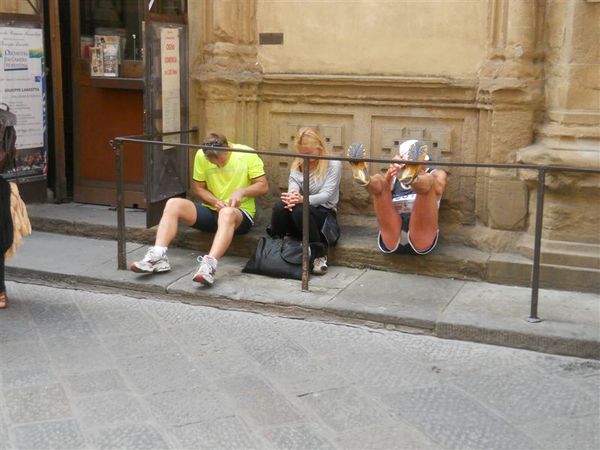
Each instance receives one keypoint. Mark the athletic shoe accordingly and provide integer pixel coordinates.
(320, 266)
(356, 152)
(206, 271)
(151, 263)
(412, 150)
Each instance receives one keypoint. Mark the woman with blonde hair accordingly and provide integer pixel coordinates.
(323, 196)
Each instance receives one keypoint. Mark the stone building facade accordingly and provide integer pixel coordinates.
(501, 81)
(495, 81)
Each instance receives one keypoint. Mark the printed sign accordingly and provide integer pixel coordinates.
(22, 88)
(171, 89)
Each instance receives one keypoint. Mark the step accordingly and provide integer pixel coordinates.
(563, 253)
(505, 268)
(356, 248)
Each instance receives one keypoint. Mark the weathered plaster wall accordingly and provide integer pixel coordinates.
(368, 37)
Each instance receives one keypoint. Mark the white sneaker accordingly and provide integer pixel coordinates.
(206, 271)
(320, 266)
(151, 263)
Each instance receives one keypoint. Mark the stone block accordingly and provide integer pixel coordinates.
(25, 354)
(571, 218)
(180, 407)
(109, 409)
(259, 401)
(296, 436)
(37, 403)
(159, 372)
(224, 432)
(509, 391)
(64, 434)
(510, 130)
(576, 432)
(128, 436)
(28, 376)
(454, 420)
(94, 382)
(507, 203)
(346, 409)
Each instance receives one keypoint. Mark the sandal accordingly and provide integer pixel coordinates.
(3, 300)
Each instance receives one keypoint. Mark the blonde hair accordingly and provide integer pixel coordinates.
(309, 137)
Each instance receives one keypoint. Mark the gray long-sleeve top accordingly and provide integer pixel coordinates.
(322, 192)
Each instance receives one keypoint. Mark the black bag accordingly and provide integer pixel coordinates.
(330, 229)
(8, 138)
(278, 258)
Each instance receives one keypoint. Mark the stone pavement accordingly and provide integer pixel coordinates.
(88, 370)
(447, 308)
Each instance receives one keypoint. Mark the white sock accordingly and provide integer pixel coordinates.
(161, 250)
(214, 262)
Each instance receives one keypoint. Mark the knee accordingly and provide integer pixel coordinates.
(424, 184)
(174, 207)
(297, 213)
(279, 207)
(378, 185)
(227, 216)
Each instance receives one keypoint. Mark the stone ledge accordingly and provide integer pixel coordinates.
(356, 248)
(505, 268)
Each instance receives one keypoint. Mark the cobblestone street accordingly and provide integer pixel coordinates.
(90, 370)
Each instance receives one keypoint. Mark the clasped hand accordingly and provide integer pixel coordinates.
(291, 199)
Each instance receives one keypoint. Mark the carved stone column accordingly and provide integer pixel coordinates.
(227, 72)
(569, 133)
(511, 90)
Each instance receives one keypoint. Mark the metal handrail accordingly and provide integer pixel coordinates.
(117, 145)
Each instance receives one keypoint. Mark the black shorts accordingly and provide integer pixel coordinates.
(207, 220)
(407, 248)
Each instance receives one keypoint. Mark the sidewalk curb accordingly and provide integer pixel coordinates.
(332, 315)
(541, 343)
(441, 327)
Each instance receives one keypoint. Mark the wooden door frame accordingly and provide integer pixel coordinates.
(95, 191)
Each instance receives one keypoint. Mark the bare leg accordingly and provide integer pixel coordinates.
(424, 225)
(176, 209)
(388, 220)
(229, 219)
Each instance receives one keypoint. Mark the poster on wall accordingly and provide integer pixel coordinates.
(22, 89)
(170, 87)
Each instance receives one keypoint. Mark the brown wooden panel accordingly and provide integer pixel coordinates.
(104, 193)
(105, 114)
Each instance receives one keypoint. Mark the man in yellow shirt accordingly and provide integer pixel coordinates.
(226, 182)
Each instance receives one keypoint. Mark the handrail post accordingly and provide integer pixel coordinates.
(535, 270)
(121, 254)
(305, 222)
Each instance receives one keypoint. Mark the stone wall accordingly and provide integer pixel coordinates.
(568, 134)
(481, 81)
